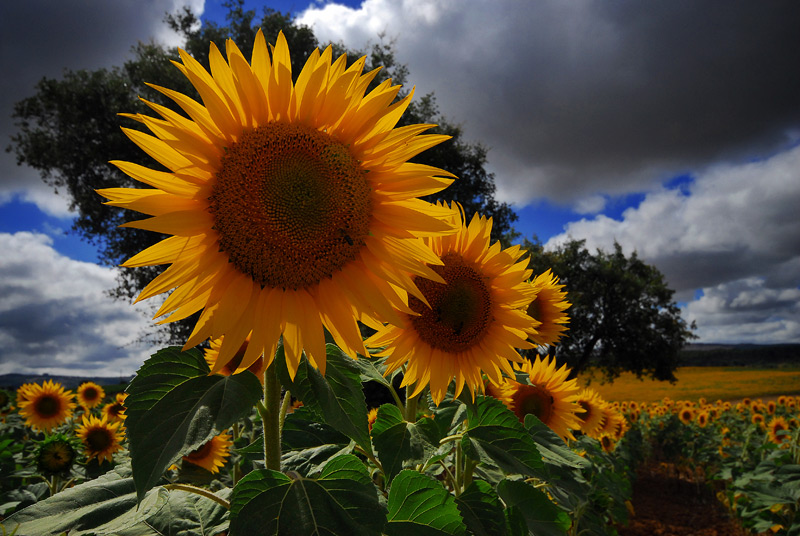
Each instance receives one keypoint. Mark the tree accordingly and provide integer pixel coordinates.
(70, 129)
(622, 318)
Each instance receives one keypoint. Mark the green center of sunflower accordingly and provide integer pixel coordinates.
(291, 205)
(533, 400)
(98, 439)
(460, 311)
(47, 406)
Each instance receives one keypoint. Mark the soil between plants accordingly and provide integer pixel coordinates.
(667, 503)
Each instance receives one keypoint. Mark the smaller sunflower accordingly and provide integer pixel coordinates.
(46, 406)
(372, 416)
(608, 443)
(548, 309)
(702, 419)
(548, 394)
(90, 395)
(778, 429)
(212, 454)
(590, 411)
(115, 411)
(101, 438)
(686, 415)
(211, 356)
(55, 455)
(758, 419)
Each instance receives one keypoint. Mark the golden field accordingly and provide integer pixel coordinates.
(712, 383)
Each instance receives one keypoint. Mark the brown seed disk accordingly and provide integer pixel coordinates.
(291, 205)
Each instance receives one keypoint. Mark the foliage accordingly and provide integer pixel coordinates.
(623, 317)
(463, 468)
(70, 129)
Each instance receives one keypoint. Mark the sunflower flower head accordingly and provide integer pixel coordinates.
(467, 322)
(101, 438)
(548, 394)
(590, 411)
(212, 454)
(90, 395)
(292, 207)
(46, 406)
(55, 454)
(548, 309)
(778, 431)
(115, 411)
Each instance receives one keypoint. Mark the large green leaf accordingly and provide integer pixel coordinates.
(551, 446)
(342, 501)
(419, 505)
(482, 510)
(107, 506)
(336, 397)
(495, 435)
(308, 444)
(542, 516)
(173, 412)
(398, 441)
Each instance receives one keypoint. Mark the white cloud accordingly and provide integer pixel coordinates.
(55, 316)
(733, 232)
(746, 311)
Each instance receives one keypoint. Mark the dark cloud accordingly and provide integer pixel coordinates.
(39, 38)
(587, 96)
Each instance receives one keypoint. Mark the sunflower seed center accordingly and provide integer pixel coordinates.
(291, 204)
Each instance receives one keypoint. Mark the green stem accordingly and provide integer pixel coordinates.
(287, 401)
(202, 492)
(270, 412)
(459, 477)
(371, 457)
(411, 408)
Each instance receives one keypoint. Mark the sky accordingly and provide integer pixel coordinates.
(671, 127)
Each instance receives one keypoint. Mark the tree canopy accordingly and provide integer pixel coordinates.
(622, 318)
(70, 129)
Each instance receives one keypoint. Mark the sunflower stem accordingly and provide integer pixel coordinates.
(411, 409)
(200, 491)
(287, 401)
(270, 415)
(459, 476)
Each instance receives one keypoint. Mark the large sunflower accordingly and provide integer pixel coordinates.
(212, 454)
(90, 395)
(469, 322)
(293, 206)
(548, 394)
(101, 438)
(46, 406)
(548, 309)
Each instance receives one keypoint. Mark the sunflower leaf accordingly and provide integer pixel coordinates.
(398, 441)
(420, 505)
(174, 412)
(551, 446)
(482, 510)
(495, 435)
(343, 500)
(107, 506)
(308, 444)
(337, 397)
(542, 516)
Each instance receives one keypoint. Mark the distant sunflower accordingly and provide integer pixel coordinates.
(55, 454)
(46, 406)
(686, 414)
(590, 411)
(775, 429)
(211, 356)
(115, 411)
(611, 421)
(758, 419)
(702, 419)
(548, 394)
(101, 438)
(608, 443)
(212, 454)
(90, 395)
(470, 322)
(293, 207)
(372, 416)
(548, 309)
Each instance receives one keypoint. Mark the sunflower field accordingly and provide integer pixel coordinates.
(298, 238)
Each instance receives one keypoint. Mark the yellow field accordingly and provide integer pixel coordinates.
(726, 383)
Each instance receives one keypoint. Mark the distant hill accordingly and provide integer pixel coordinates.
(13, 381)
(740, 355)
